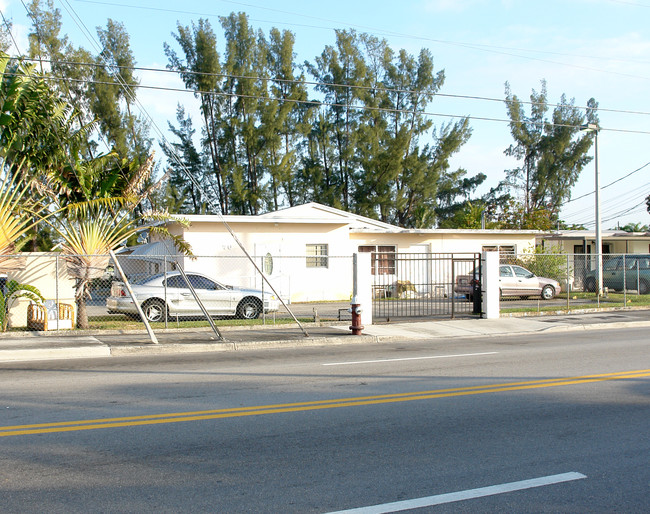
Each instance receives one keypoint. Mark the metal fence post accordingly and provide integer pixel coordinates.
(150, 331)
(568, 285)
(165, 289)
(453, 281)
(262, 279)
(624, 281)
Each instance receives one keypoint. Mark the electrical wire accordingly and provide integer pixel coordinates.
(613, 203)
(318, 103)
(331, 104)
(348, 86)
(608, 185)
(611, 208)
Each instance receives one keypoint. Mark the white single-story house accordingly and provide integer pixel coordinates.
(306, 251)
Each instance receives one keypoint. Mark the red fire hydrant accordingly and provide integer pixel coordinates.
(355, 310)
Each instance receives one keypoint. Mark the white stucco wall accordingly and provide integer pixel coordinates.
(282, 244)
(47, 272)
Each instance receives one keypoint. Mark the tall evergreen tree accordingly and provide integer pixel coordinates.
(5, 36)
(552, 152)
(200, 69)
(112, 94)
(185, 193)
(70, 68)
(285, 133)
(246, 67)
(339, 71)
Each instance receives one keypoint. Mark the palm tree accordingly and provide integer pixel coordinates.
(17, 217)
(94, 203)
(91, 230)
(13, 292)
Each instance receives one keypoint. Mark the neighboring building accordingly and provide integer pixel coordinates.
(306, 251)
(584, 241)
(580, 245)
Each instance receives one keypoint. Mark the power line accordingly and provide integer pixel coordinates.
(611, 205)
(318, 103)
(334, 84)
(608, 185)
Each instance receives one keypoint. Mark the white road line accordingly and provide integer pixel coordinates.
(464, 495)
(408, 359)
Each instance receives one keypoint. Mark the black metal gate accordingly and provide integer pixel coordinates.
(425, 285)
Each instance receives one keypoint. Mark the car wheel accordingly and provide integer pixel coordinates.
(155, 310)
(644, 288)
(548, 292)
(249, 308)
(469, 297)
(590, 285)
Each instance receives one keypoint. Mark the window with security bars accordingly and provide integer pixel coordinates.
(317, 256)
(505, 251)
(382, 259)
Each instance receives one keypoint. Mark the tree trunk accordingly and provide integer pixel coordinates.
(82, 314)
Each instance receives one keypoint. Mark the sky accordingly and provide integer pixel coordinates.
(582, 48)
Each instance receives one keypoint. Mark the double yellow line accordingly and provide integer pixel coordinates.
(176, 417)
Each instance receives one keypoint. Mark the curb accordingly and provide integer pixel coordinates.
(38, 348)
(162, 349)
(565, 312)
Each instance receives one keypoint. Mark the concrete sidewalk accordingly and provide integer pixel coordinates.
(61, 345)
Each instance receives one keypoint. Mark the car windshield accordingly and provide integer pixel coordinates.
(612, 264)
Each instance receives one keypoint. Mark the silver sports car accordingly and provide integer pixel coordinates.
(167, 294)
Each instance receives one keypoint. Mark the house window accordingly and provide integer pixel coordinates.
(505, 251)
(317, 256)
(382, 259)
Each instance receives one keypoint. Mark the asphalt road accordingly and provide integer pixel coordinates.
(541, 423)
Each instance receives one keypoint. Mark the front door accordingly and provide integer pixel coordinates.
(216, 299)
(526, 282)
(507, 281)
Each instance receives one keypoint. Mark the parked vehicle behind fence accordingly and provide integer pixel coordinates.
(467, 284)
(518, 281)
(513, 281)
(168, 294)
(636, 276)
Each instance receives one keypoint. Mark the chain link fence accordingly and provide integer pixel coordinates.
(50, 291)
(555, 282)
